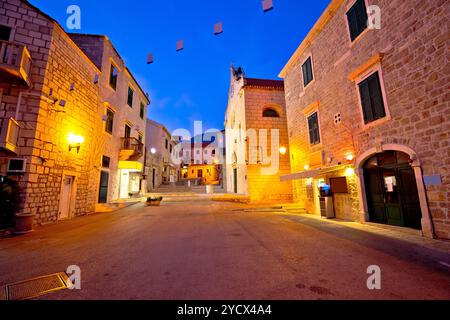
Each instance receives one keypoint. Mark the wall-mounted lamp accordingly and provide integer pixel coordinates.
(283, 150)
(153, 151)
(349, 157)
(349, 172)
(75, 141)
(306, 167)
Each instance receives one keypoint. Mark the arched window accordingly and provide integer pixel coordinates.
(270, 113)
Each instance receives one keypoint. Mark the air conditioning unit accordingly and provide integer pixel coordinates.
(16, 166)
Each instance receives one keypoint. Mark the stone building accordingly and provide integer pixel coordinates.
(50, 130)
(368, 113)
(163, 161)
(124, 113)
(256, 139)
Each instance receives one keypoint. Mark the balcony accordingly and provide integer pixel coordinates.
(15, 63)
(9, 134)
(130, 149)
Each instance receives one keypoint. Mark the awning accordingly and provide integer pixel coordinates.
(131, 165)
(313, 173)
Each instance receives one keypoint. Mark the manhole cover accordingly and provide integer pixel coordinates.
(35, 287)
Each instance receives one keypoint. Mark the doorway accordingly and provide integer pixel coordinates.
(66, 197)
(103, 190)
(391, 190)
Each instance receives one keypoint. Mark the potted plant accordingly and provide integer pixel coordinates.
(154, 201)
(10, 202)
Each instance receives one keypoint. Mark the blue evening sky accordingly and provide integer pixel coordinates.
(193, 84)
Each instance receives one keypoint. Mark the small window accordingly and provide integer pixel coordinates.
(130, 97)
(198, 152)
(357, 19)
(270, 113)
(213, 152)
(5, 33)
(307, 72)
(113, 77)
(142, 112)
(167, 144)
(171, 147)
(206, 151)
(372, 98)
(109, 121)
(313, 126)
(106, 161)
(140, 138)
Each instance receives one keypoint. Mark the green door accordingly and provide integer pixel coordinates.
(391, 190)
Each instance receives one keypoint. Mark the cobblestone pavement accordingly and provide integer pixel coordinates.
(210, 250)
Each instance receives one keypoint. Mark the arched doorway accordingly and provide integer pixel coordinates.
(391, 190)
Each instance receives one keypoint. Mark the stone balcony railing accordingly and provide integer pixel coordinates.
(131, 149)
(9, 134)
(15, 62)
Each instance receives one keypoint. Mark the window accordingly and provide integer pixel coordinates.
(206, 151)
(213, 152)
(142, 112)
(140, 138)
(270, 113)
(106, 161)
(5, 33)
(313, 126)
(198, 152)
(307, 72)
(109, 121)
(130, 97)
(171, 147)
(113, 74)
(372, 98)
(357, 19)
(167, 144)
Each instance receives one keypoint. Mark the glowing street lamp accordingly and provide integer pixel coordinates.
(75, 141)
(283, 150)
(153, 151)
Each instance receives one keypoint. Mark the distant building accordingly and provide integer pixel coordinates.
(256, 111)
(368, 114)
(163, 160)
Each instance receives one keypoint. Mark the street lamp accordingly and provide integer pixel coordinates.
(153, 151)
(283, 150)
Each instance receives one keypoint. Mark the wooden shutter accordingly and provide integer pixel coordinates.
(366, 101)
(361, 15)
(352, 23)
(311, 130)
(376, 96)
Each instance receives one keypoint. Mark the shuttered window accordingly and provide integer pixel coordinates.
(357, 19)
(109, 121)
(372, 98)
(130, 97)
(307, 72)
(313, 126)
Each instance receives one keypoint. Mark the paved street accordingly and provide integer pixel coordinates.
(208, 250)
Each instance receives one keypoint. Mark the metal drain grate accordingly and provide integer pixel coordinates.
(36, 287)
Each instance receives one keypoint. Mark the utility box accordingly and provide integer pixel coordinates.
(327, 207)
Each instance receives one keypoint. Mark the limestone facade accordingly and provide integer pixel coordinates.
(254, 164)
(410, 54)
(61, 98)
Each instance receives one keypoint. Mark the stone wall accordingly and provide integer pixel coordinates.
(413, 41)
(262, 187)
(57, 63)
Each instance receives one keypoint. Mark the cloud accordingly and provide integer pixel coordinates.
(184, 101)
